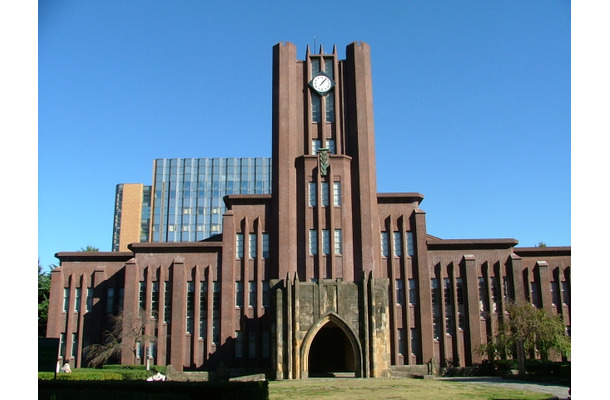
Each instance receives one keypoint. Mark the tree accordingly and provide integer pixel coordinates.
(44, 289)
(541, 244)
(126, 330)
(89, 249)
(526, 330)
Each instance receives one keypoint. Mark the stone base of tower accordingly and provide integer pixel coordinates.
(331, 328)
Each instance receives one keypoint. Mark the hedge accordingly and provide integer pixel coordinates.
(134, 390)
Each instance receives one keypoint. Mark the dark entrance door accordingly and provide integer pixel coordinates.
(331, 352)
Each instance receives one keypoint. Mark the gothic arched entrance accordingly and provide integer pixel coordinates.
(331, 348)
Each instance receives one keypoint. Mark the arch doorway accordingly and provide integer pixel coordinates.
(331, 353)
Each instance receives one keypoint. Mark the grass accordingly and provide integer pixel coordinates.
(385, 389)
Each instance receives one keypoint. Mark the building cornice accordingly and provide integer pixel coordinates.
(470, 244)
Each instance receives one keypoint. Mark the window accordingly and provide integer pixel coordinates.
(410, 247)
(315, 108)
(155, 299)
(266, 297)
(216, 312)
(312, 194)
(534, 298)
(89, 299)
(138, 349)
(109, 300)
(435, 292)
(66, 299)
(436, 326)
(74, 345)
(385, 248)
(251, 345)
(239, 344)
(251, 294)
(239, 245)
(447, 288)
(190, 306)
(266, 344)
(459, 289)
(332, 148)
(315, 146)
(77, 299)
(397, 244)
(252, 245)
(337, 194)
(239, 294)
(338, 241)
(412, 292)
(313, 242)
(265, 245)
(330, 107)
(414, 341)
(400, 292)
(167, 306)
(325, 241)
(325, 194)
(565, 293)
(402, 350)
(142, 295)
(483, 306)
(203, 310)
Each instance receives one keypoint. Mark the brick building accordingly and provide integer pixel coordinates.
(322, 275)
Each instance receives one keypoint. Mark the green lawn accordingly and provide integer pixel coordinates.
(382, 389)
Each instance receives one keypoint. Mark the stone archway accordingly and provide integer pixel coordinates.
(329, 348)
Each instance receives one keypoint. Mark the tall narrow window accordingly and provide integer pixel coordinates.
(495, 294)
(265, 245)
(337, 194)
(410, 247)
(412, 292)
(251, 344)
(155, 299)
(483, 300)
(142, 295)
(400, 291)
(312, 194)
(239, 344)
(325, 241)
(329, 102)
(338, 242)
(67, 299)
(315, 146)
(324, 194)
(109, 300)
(385, 247)
(402, 343)
(313, 242)
(216, 312)
(459, 290)
(239, 245)
(74, 345)
(77, 295)
(266, 293)
(190, 306)
(397, 244)
(414, 341)
(266, 348)
(252, 244)
(565, 293)
(332, 147)
(203, 310)
(252, 294)
(534, 295)
(89, 299)
(167, 305)
(315, 108)
(239, 294)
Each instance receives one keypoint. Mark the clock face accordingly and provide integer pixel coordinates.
(321, 83)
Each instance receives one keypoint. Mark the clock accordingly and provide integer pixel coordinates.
(322, 83)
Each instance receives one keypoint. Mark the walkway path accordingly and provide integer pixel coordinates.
(561, 392)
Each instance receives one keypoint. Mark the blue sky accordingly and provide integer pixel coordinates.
(472, 104)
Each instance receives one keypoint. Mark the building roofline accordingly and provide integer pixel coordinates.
(241, 199)
(168, 247)
(543, 251)
(471, 244)
(411, 197)
(94, 255)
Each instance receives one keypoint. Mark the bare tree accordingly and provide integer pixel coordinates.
(126, 331)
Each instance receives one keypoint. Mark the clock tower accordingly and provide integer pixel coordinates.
(331, 295)
(324, 185)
